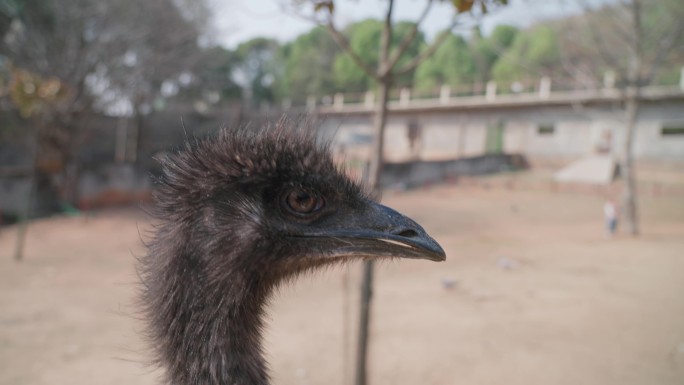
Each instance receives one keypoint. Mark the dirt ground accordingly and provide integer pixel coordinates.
(538, 296)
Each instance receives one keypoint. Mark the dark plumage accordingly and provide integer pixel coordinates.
(237, 215)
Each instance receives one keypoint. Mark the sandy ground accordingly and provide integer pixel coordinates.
(540, 296)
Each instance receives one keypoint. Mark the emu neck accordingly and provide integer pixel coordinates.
(214, 332)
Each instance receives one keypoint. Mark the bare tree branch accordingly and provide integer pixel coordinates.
(577, 71)
(427, 52)
(635, 65)
(385, 41)
(619, 20)
(408, 39)
(342, 41)
(603, 49)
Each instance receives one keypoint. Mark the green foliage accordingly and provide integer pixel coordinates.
(662, 22)
(308, 65)
(487, 50)
(452, 64)
(533, 52)
(502, 37)
(256, 69)
(364, 38)
(657, 17)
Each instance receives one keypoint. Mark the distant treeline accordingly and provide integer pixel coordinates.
(263, 70)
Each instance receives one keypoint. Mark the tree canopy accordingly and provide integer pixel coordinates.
(256, 69)
(308, 65)
(452, 64)
(146, 51)
(364, 38)
(534, 51)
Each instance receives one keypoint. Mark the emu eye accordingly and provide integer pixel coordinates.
(303, 202)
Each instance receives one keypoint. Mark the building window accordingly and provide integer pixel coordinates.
(672, 129)
(546, 129)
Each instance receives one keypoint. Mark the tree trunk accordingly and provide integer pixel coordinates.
(629, 198)
(379, 120)
(633, 93)
(70, 176)
(366, 296)
(137, 144)
(374, 174)
(25, 215)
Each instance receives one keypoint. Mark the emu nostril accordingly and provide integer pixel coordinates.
(407, 233)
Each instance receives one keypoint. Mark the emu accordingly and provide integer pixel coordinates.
(237, 215)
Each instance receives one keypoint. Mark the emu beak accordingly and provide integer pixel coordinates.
(379, 231)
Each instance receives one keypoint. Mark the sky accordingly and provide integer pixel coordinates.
(240, 20)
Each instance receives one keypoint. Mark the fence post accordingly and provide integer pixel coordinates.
(369, 99)
(338, 101)
(444, 94)
(121, 139)
(545, 87)
(681, 79)
(491, 90)
(286, 104)
(310, 103)
(404, 97)
(609, 80)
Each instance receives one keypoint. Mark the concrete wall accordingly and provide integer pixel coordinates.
(577, 132)
(650, 144)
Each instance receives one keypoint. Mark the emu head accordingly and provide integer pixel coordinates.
(239, 214)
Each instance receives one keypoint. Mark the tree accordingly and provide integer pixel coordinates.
(317, 49)
(256, 70)
(389, 66)
(633, 38)
(34, 97)
(363, 39)
(534, 51)
(104, 54)
(385, 71)
(212, 75)
(488, 50)
(452, 64)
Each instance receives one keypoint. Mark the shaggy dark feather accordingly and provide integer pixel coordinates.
(237, 215)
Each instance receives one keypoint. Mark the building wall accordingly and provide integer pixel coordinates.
(576, 133)
(651, 144)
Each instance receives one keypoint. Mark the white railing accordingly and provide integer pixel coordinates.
(541, 89)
